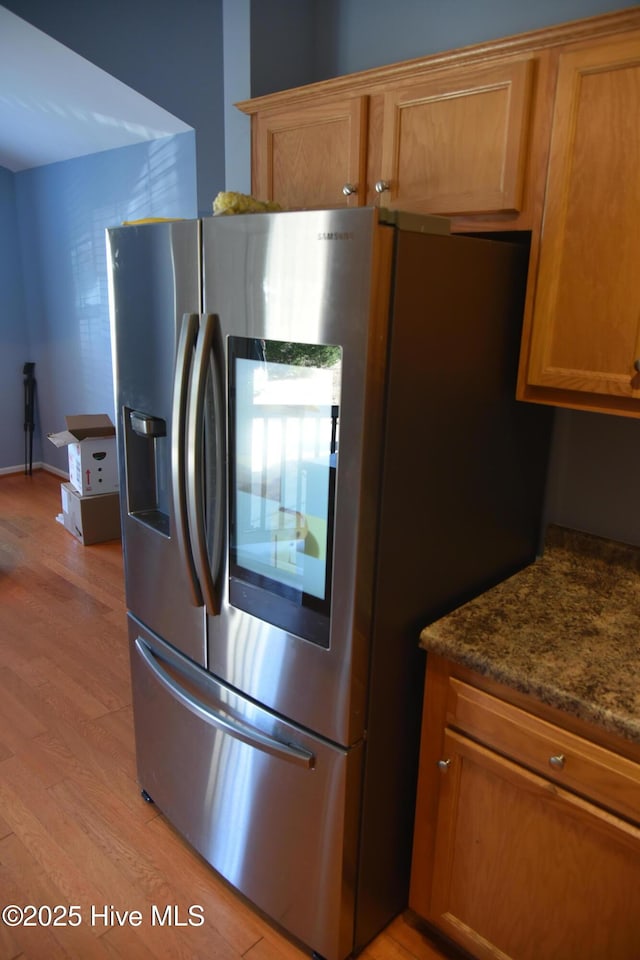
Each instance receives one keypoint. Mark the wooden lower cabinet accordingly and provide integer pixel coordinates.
(523, 869)
(508, 863)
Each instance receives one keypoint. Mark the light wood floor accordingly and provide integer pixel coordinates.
(73, 827)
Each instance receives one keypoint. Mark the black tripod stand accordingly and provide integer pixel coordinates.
(29, 415)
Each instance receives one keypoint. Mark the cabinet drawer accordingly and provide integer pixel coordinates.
(576, 763)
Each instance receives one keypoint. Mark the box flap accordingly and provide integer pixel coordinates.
(81, 427)
(90, 425)
(61, 439)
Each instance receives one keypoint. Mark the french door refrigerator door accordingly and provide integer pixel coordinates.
(271, 807)
(154, 279)
(302, 331)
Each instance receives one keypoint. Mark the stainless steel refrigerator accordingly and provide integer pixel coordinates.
(320, 452)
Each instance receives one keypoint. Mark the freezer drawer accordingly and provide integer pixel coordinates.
(271, 807)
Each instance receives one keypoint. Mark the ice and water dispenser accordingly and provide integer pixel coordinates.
(148, 469)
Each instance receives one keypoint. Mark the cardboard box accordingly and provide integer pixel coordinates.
(90, 519)
(93, 460)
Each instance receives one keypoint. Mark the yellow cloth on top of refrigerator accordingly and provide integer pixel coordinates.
(229, 202)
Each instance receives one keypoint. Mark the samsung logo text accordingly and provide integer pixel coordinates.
(336, 235)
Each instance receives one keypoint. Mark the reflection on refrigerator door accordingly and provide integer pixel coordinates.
(257, 792)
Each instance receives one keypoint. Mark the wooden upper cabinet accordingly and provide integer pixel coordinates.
(539, 132)
(313, 156)
(457, 143)
(585, 324)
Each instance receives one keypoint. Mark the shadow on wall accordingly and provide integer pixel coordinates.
(593, 478)
(63, 212)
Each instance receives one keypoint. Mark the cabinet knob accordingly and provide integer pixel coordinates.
(349, 188)
(557, 761)
(381, 185)
(444, 764)
(636, 365)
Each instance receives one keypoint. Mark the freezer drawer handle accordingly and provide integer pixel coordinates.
(246, 734)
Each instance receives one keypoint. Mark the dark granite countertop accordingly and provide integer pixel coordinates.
(566, 630)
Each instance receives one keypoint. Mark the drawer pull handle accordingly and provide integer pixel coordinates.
(444, 764)
(557, 761)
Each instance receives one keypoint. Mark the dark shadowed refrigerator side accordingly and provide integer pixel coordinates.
(463, 478)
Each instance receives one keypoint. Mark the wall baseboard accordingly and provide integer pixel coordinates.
(36, 466)
(58, 473)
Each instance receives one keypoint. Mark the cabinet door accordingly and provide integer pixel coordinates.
(524, 869)
(586, 315)
(457, 144)
(313, 157)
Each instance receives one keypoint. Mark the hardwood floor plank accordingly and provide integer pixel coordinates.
(54, 679)
(410, 934)
(117, 795)
(84, 762)
(102, 585)
(85, 678)
(109, 746)
(119, 946)
(5, 829)
(270, 948)
(34, 822)
(9, 946)
(116, 729)
(46, 770)
(115, 849)
(21, 714)
(169, 943)
(30, 886)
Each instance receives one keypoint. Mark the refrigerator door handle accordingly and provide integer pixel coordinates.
(208, 569)
(240, 731)
(186, 345)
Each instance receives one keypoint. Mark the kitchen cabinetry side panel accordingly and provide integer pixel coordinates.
(431, 751)
(585, 327)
